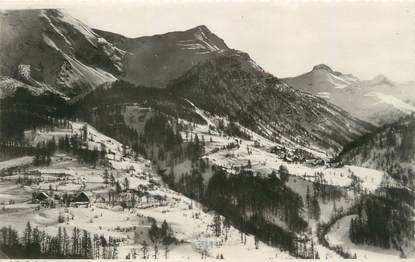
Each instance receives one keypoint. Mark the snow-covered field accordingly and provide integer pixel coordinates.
(266, 162)
(257, 152)
(191, 226)
(25, 160)
(393, 101)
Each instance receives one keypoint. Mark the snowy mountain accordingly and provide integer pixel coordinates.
(57, 52)
(321, 81)
(155, 60)
(231, 86)
(182, 148)
(60, 54)
(379, 100)
(50, 50)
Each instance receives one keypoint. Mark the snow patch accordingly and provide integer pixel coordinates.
(393, 101)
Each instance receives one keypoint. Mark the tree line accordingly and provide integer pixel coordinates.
(75, 144)
(389, 149)
(33, 243)
(384, 220)
(248, 200)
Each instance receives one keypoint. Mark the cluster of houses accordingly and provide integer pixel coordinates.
(296, 156)
(73, 200)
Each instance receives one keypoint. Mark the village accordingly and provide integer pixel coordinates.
(105, 188)
(120, 199)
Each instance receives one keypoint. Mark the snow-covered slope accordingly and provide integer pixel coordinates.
(393, 101)
(378, 100)
(49, 47)
(230, 86)
(322, 79)
(190, 223)
(257, 153)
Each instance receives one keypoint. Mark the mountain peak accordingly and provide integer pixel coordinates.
(323, 67)
(200, 28)
(201, 37)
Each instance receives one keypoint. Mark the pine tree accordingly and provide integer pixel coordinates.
(65, 243)
(284, 174)
(106, 176)
(217, 225)
(316, 208)
(84, 245)
(75, 237)
(59, 242)
(117, 187)
(154, 232)
(256, 240)
(166, 233)
(249, 165)
(28, 235)
(126, 183)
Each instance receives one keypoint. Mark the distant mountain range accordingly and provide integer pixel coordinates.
(60, 55)
(379, 100)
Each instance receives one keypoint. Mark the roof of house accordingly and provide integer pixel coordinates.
(81, 197)
(42, 196)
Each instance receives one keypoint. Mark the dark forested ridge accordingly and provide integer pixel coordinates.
(231, 86)
(384, 220)
(26, 111)
(235, 196)
(122, 92)
(391, 149)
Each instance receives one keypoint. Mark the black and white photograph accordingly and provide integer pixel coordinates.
(207, 130)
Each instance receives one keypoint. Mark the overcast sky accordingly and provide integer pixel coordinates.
(286, 39)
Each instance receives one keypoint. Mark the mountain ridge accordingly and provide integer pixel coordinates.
(260, 101)
(56, 50)
(194, 64)
(155, 60)
(378, 100)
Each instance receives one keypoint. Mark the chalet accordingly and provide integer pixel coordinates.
(81, 199)
(40, 197)
(43, 198)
